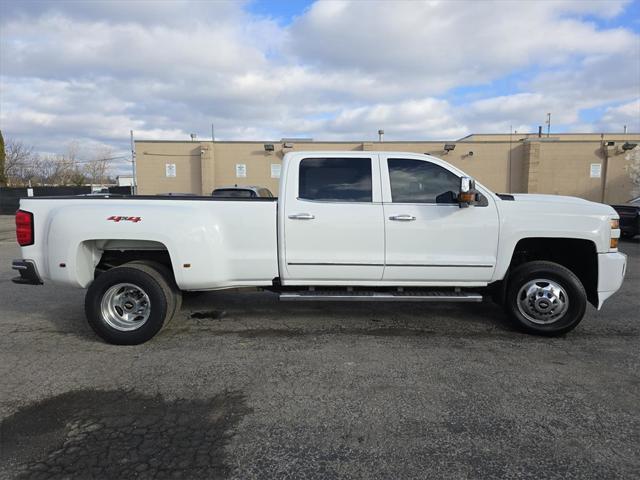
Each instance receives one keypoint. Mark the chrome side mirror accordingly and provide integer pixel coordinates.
(467, 195)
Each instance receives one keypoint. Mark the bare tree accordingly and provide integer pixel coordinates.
(31, 172)
(77, 178)
(18, 160)
(65, 165)
(45, 169)
(24, 167)
(61, 170)
(97, 169)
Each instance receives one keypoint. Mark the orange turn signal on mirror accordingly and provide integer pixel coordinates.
(615, 224)
(466, 197)
(613, 243)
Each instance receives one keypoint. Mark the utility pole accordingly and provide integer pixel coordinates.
(133, 166)
(213, 137)
(548, 124)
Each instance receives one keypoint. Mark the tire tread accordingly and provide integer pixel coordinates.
(127, 272)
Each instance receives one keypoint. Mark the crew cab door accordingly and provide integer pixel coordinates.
(333, 219)
(429, 238)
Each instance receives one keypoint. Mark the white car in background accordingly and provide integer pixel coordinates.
(235, 191)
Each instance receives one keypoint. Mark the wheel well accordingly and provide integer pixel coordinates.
(115, 258)
(578, 255)
(113, 254)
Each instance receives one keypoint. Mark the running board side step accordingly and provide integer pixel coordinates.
(364, 296)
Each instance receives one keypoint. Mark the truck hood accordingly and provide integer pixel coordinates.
(564, 203)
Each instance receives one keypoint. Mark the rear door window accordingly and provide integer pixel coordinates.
(335, 179)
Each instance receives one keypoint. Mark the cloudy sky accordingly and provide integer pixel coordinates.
(91, 71)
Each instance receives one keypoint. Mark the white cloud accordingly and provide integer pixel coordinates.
(444, 44)
(424, 118)
(94, 70)
(627, 115)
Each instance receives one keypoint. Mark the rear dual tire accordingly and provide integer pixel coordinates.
(130, 304)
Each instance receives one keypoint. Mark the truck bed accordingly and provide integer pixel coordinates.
(211, 242)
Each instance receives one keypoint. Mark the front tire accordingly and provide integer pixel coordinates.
(130, 304)
(545, 298)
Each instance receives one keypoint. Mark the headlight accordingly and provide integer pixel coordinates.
(615, 224)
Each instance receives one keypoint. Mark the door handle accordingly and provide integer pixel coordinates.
(402, 218)
(302, 216)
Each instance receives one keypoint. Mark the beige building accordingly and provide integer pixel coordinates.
(591, 166)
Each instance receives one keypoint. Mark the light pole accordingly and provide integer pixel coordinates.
(548, 124)
(133, 166)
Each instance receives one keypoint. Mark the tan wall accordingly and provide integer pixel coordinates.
(564, 169)
(537, 166)
(151, 160)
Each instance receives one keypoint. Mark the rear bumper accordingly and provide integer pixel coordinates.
(28, 272)
(611, 270)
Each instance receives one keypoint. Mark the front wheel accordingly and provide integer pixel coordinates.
(545, 298)
(128, 305)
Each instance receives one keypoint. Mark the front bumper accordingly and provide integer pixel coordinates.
(28, 272)
(611, 270)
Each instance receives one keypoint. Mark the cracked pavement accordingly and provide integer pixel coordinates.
(122, 434)
(241, 386)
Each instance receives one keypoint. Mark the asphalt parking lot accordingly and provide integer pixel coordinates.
(242, 386)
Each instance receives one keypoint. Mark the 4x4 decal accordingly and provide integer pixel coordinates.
(118, 218)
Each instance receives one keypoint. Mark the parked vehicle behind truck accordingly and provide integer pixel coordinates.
(250, 191)
(352, 226)
(629, 218)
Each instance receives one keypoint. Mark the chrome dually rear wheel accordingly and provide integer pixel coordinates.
(129, 304)
(125, 307)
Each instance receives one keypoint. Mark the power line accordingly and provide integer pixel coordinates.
(171, 154)
(120, 157)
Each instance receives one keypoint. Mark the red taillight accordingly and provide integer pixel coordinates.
(24, 228)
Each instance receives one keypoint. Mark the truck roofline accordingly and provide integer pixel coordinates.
(156, 197)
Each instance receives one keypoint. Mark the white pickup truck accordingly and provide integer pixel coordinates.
(363, 226)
